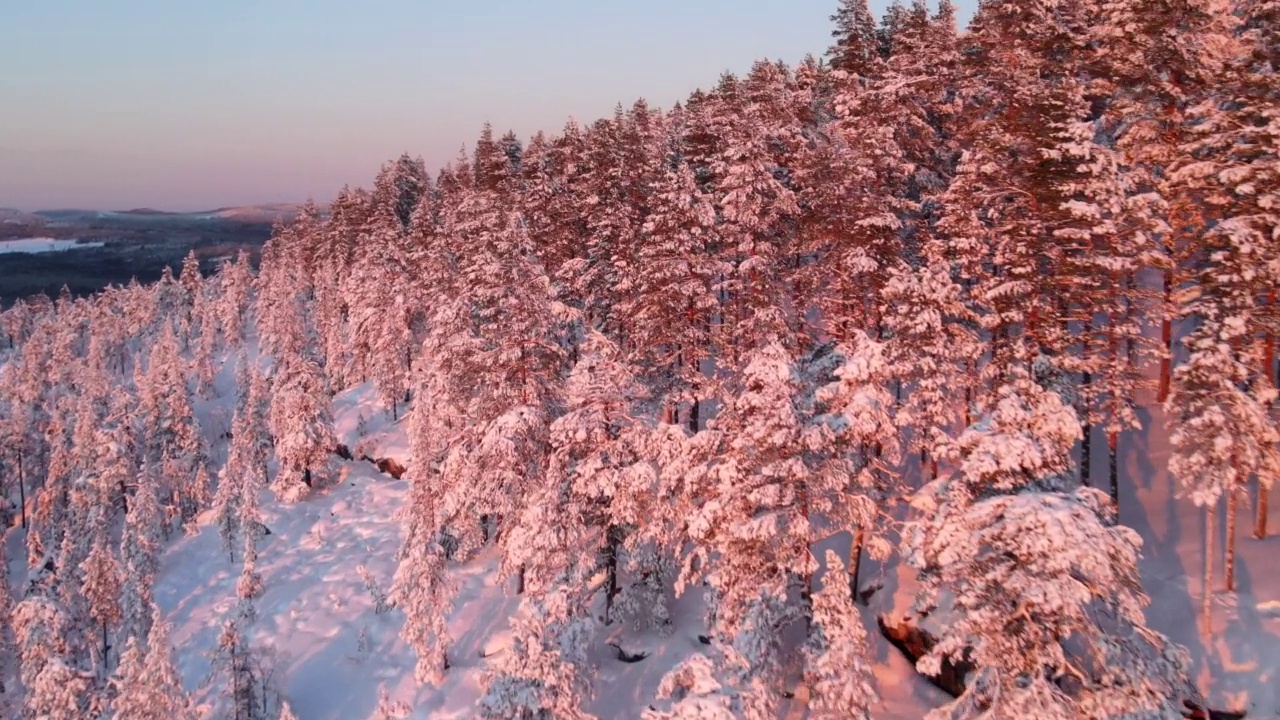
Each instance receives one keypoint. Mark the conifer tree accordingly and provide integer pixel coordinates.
(1062, 568)
(543, 673)
(147, 683)
(301, 422)
(670, 294)
(855, 50)
(10, 690)
(101, 587)
(55, 688)
(235, 300)
(836, 655)
(140, 556)
(569, 526)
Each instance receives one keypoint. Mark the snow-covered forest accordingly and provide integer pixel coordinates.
(715, 398)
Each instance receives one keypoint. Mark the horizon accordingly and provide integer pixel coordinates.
(117, 112)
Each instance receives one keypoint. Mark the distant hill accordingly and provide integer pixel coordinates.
(265, 213)
(113, 246)
(258, 213)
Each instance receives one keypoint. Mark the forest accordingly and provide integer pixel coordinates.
(918, 291)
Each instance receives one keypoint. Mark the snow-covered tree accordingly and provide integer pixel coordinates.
(856, 50)
(669, 295)
(569, 527)
(140, 556)
(55, 688)
(542, 674)
(1221, 431)
(932, 342)
(301, 421)
(147, 683)
(235, 300)
(389, 709)
(1022, 562)
(692, 690)
(10, 689)
(173, 437)
(837, 666)
(101, 587)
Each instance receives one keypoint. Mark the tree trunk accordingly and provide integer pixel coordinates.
(1269, 342)
(855, 562)
(22, 491)
(106, 647)
(1113, 469)
(693, 416)
(1086, 441)
(1268, 361)
(613, 540)
(1206, 601)
(806, 581)
(1166, 338)
(1229, 567)
(1260, 522)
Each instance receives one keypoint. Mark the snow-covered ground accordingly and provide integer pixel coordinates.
(1238, 661)
(331, 651)
(316, 609)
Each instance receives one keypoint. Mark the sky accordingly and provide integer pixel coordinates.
(191, 106)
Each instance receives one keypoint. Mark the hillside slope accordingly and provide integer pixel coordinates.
(331, 651)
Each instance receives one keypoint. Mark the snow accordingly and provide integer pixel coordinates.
(1238, 661)
(316, 607)
(41, 245)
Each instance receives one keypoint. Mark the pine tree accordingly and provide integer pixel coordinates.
(175, 442)
(569, 526)
(1028, 560)
(140, 556)
(1163, 58)
(190, 281)
(856, 50)
(670, 294)
(542, 675)
(102, 589)
(855, 441)
(301, 421)
(1230, 166)
(503, 357)
(422, 587)
(836, 656)
(10, 690)
(757, 210)
(146, 682)
(381, 307)
(55, 689)
(931, 343)
(207, 342)
(389, 709)
(235, 300)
